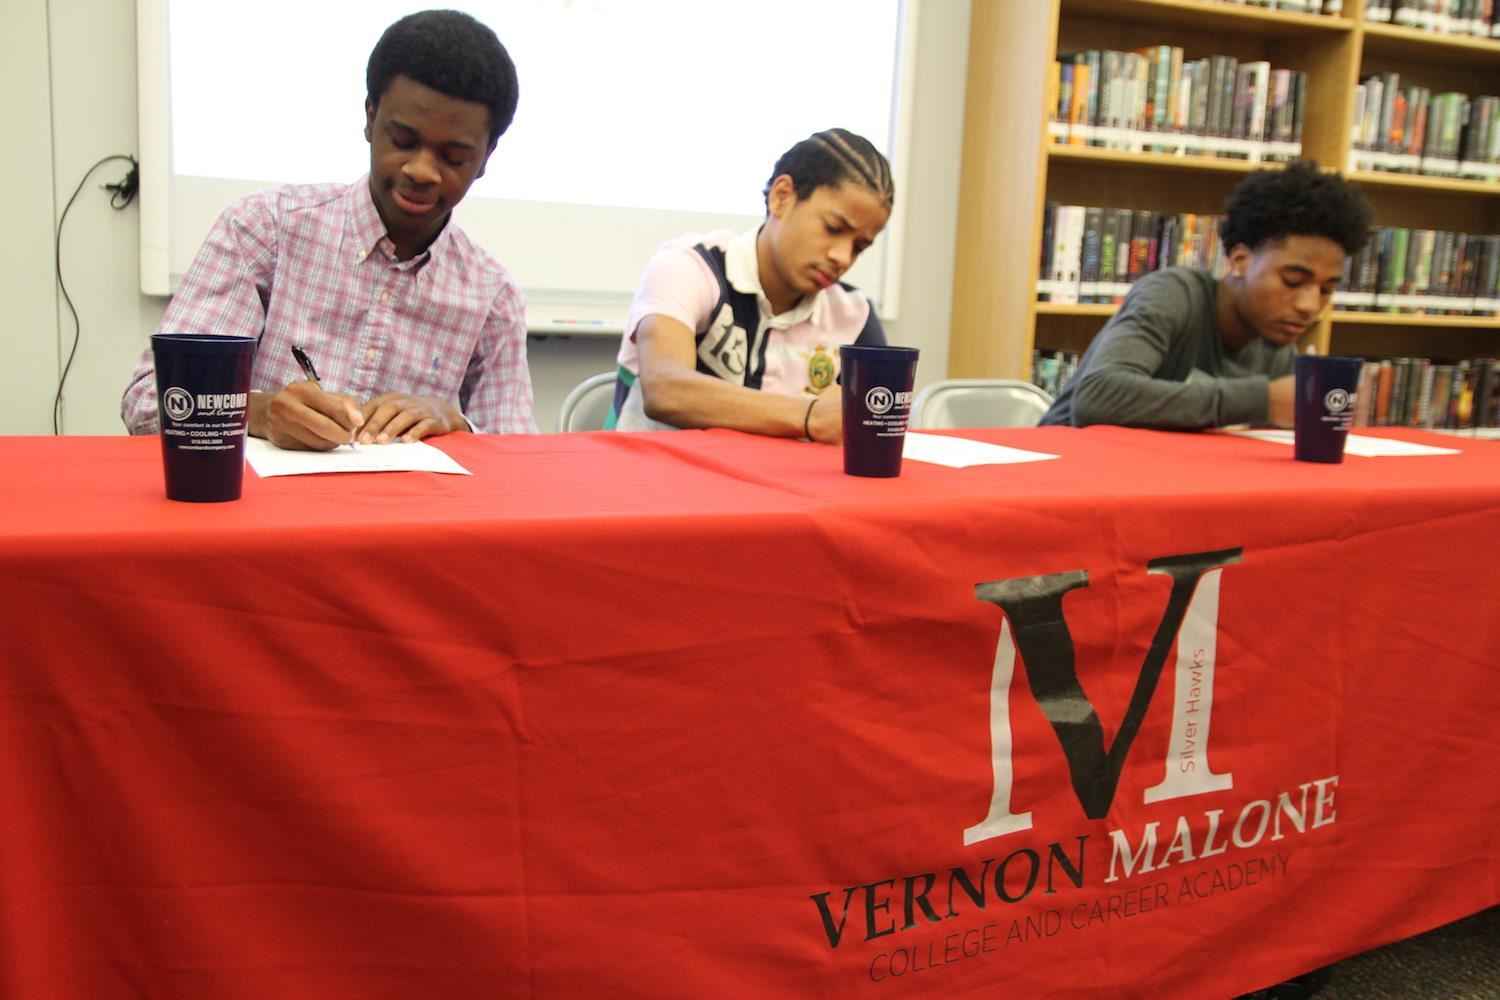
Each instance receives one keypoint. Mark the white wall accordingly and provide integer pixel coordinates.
(71, 65)
(28, 321)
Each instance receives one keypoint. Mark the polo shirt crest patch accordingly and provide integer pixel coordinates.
(725, 348)
(819, 370)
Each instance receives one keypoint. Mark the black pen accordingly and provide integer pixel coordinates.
(305, 363)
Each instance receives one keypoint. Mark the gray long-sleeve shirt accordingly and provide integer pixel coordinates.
(1161, 361)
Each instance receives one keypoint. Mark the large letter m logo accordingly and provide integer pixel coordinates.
(1033, 623)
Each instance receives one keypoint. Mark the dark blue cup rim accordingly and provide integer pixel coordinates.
(1331, 360)
(202, 343)
(872, 352)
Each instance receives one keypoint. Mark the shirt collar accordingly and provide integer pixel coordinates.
(742, 269)
(365, 230)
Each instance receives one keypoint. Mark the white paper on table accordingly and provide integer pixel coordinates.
(960, 453)
(1359, 444)
(416, 456)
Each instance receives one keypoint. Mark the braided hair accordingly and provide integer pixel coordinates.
(831, 157)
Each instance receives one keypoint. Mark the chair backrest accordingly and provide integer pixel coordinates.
(978, 402)
(587, 405)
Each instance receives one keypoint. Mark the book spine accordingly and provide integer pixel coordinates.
(1213, 96)
(1124, 247)
(1109, 241)
(1161, 120)
(1395, 407)
(1044, 265)
(1362, 395)
(1078, 114)
(1088, 281)
(1063, 111)
(1260, 86)
(1299, 104)
(1077, 218)
(1420, 412)
(1174, 114)
(1107, 104)
(1226, 99)
(1383, 378)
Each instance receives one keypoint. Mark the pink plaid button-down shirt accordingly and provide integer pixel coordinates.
(311, 265)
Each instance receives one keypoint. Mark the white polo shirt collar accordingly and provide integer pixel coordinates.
(742, 268)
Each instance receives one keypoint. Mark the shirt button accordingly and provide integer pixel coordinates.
(385, 296)
(370, 354)
(363, 254)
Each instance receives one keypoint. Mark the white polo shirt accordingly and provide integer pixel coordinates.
(710, 283)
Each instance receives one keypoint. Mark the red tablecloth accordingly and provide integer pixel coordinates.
(696, 715)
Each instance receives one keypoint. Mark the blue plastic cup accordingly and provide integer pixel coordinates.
(877, 385)
(203, 397)
(1326, 390)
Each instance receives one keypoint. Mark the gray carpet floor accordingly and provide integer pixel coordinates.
(1458, 962)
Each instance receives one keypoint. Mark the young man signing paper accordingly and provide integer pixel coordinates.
(1191, 350)
(415, 329)
(743, 330)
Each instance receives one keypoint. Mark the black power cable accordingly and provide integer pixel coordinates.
(121, 195)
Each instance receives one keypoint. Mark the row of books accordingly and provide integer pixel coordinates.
(1156, 100)
(1393, 392)
(1410, 129)
(1477, 18)
(1331, 7)
(1094, 255)
(1051, 369)
(1424, 272)
(1421, 392)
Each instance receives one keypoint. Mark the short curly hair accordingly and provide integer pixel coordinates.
(1299, 200)
(453, 54)
(831, 157)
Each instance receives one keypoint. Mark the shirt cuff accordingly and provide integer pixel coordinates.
(1244, 400)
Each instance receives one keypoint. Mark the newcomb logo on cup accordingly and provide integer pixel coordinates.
(879, 400)
(221, 403)
(1337, 400)
(181, 404)
(178, 403)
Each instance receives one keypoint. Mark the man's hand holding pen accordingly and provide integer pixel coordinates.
(303, 416)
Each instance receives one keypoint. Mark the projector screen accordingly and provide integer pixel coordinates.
(639, 120)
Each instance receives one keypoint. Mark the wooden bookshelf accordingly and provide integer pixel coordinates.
(1213, 15)
(1401, 335)
(1424, 182)
(1425, 322)
(1426, 46)
(1150, 161)
(1074, 309)
(1011, 168)
(1337, 316)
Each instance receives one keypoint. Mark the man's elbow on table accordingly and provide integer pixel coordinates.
(664, 398)
(133, 415)
(1097, 400)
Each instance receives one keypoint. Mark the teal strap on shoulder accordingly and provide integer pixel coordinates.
(627, 379)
